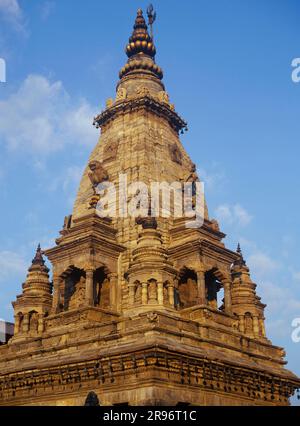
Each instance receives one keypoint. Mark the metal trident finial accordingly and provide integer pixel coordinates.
(151, 18)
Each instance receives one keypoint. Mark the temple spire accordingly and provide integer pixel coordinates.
(38, 258)
(240, 262)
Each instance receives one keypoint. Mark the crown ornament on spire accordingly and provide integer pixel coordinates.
(38, 261)
(38, 258)
(140, 42)
(240, 261)
(141, 50)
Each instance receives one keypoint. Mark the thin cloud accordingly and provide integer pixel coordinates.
(42, 118)
(11, 264)
(46, 9)
(11, 12)
(233, 215)
(262, 264)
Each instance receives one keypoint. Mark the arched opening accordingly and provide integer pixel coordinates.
(74, 289)
(92, 400)
(186, 294)
(214, 290)
(101, 288)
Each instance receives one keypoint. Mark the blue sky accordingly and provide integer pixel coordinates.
(228, 70)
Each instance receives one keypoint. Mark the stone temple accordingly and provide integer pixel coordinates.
(133, 315)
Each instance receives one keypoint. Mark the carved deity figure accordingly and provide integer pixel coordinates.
(121, 94)
(78, 297)
(97, 173)
(142, 91)
(34, 321)
(103, 294)
(175, 153)
(163, 97)
(109, 102)
(152, 291)
(248, 323)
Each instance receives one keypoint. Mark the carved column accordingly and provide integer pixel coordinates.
(176, 293)
(242, 323)
(25, 327)
(131, 293)
(57, 282)
(171, 294)
(144, 293)
(41, 324)
(89, 287)
(160, 293)
(113, 281)
(262, 327)
(255, 326)
(17, 324)
(227, 297)
(201, 294)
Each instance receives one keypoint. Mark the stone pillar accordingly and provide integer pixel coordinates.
(201, 293)
(113, 292)
(144, 293)
(25, 327)
(227, 297)
(171, 294)
(160, 293)
(56, 301)
(17, 324)
(262, 327)
(255, 326)
(41, 324)
(89, 287)
(131, 293)
(242, 323)
(176, 293)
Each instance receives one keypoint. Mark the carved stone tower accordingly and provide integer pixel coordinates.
(144, 310)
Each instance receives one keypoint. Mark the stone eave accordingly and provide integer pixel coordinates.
(90, 242)
(135, 104)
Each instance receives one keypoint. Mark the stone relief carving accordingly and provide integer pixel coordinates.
(34, 321)
(97, 173)
(121, 94)
(152, 291)
(110, 151)
(163, 97)
(109, 102)
(152, 317)
(142, 91)
(78, 297)
(175, 153)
